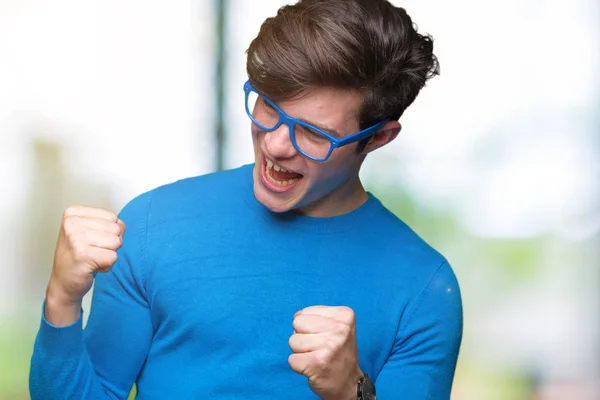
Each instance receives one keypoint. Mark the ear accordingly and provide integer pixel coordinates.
(385, 135)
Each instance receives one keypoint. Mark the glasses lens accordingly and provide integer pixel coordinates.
(261, 112)
(311, 142)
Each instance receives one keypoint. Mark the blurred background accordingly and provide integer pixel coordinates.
(497, 165)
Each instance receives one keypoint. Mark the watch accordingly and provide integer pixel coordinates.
(365, 389)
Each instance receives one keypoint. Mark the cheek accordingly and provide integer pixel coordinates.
(342, 160)
(336, 169)
(257, 135)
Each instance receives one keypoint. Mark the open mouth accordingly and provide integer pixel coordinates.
(277, 178)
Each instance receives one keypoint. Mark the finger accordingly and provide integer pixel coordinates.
(98, 224)
(300, 362)
(81, 211)
(102, 240)
(340, 313)
(307, 342)
(122, 227)
(314, 324)
(102, 260)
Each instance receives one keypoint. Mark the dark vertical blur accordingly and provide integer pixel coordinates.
(221, 17)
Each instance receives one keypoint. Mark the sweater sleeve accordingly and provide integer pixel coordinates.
(423, 359)
(103, 361)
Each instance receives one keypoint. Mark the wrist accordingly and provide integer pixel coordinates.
(60, 309)
(351, 388)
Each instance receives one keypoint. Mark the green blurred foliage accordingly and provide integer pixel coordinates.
(16, 345)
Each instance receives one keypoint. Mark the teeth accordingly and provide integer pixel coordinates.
(270, 165)
(280, 183)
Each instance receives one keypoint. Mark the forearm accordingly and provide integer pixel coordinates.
(103, 362)
(61, 367)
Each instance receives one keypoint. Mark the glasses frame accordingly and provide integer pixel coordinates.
(335, 143)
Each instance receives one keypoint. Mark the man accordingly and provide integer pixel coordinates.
(251, 283)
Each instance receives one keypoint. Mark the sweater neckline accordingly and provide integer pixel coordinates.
(354, 219)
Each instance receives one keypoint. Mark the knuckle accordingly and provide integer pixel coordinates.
(107, 214)
(347, 313)
(292, 360)
(295, 323)
(115, 242)
(71, 210)
(342, 328)
(112, 258)
(70, 223)
(107, 262)
(114, 228)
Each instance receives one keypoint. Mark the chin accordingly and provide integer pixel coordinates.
(273, 204)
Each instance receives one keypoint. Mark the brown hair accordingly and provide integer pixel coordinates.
(366, 45)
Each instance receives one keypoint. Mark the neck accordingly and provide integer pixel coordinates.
(346, 198)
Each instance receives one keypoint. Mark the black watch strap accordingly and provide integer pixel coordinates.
(366, 389)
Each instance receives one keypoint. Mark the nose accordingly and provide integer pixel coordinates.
(278, 143)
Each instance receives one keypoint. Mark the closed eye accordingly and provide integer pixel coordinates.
(268, 107)
(309, 133)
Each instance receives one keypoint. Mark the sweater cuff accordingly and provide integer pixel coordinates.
(61, 340)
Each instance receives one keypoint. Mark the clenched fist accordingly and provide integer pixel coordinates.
(325, 351)
(87, 243)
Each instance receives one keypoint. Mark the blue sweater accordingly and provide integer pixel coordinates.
(201, 300)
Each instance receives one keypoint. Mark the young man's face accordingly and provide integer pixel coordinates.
(314, 188)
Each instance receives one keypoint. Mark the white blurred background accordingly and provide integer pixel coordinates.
(497, 165)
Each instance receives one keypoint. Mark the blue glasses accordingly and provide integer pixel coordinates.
(309, 140)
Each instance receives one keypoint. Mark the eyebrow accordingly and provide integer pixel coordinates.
(319, 126)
